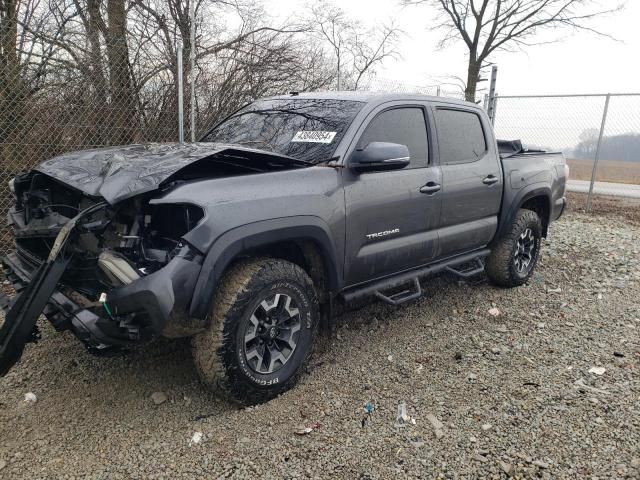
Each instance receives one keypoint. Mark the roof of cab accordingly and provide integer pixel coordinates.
(370, 97)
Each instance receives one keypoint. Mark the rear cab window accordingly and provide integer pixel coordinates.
(402, 125)
(461, 138)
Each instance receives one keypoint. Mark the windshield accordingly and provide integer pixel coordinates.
(306, 129)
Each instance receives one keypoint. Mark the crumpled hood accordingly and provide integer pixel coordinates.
(117, 173)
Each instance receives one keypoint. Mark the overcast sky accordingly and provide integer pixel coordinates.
(580, 62)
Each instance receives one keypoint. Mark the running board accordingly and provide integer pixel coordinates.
(471, 272)
(401, 297)
(413, 276)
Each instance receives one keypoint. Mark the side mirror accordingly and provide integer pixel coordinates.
(380, 156)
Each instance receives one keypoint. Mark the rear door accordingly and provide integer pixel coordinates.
(390, 223)
(471, 179)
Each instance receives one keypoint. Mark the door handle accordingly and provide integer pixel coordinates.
(490, 180)
(430, 188)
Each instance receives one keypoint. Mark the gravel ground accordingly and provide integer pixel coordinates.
(490, 395)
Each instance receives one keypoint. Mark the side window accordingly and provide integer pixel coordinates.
(405, 126)
(460, 136)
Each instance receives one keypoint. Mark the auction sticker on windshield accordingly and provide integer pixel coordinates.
(313, 136)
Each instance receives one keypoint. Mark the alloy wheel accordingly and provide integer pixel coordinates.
(271, 334)
(524, 253)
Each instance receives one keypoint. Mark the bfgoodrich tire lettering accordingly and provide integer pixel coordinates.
(514, 258)
(261, 333)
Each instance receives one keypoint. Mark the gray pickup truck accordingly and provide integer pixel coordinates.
(248, 240)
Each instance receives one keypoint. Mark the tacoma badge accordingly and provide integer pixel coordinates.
(383, 234)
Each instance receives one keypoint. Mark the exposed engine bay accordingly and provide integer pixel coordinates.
(112, 291)
(116, 246)
(101, 252)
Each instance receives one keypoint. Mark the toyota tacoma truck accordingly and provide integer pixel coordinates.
(249, 239)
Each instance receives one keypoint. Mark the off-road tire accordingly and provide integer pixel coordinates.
(501, 265)
(219, 352)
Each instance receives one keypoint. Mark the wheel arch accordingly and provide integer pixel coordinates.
(536, 197)
(541, 204)
(304, 240)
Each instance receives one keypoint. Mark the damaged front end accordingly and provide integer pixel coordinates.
(115, 275)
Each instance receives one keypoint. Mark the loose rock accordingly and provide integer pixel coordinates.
(506, 468)
(159, 397)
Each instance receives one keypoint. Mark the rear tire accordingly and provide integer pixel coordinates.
(514, 257)
(261, 335)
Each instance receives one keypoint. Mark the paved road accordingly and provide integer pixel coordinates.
(605, 188)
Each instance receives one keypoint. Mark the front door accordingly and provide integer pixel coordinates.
(391, 216)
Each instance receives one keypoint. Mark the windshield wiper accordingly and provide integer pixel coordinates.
(329, 162)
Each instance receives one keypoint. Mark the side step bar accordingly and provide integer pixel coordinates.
(402, 297)
(378, 287)
(479, 268)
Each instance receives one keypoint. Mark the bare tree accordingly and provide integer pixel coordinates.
(489, 25)
(372, 48)
(23, 68)
(83, 73)
(335, 29)
(355, 50)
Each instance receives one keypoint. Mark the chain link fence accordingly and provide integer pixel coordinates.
(599, 135)
(376, 84)
(66, 103)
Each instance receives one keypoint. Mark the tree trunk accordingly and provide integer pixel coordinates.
(12, 92)
(473, 73)
(97, 125)
(8, 33)
(123, 99)
(95, 26)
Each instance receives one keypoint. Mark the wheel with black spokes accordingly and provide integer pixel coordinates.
(262, 330)
(515, 255)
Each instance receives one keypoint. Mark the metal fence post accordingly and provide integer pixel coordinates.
(494, 109)
(180, 97)
(192, 71)
(492, 93)
(597, 157)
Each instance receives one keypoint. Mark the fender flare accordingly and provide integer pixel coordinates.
(237, 240)
(527, 193)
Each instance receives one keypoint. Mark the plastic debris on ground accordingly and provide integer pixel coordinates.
(30, 397)
(369, 408)
(494, 312)
(308, 430)
(196, 438)
(597, 370)
(403, 417)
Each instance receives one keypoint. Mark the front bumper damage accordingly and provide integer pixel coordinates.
(152, 305)
(101, 252)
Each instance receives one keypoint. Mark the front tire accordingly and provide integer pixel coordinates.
(514, 257)
(262, 330)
